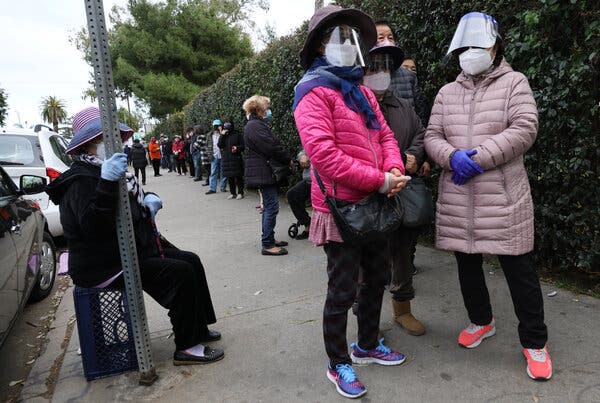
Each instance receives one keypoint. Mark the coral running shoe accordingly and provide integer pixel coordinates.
(539, 364)
(474, 334)
(345, 381)
(380, 355)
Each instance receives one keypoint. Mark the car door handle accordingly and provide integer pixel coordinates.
(16, 229)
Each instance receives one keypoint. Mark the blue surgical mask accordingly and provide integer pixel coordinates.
(227, 126)
(269, 115)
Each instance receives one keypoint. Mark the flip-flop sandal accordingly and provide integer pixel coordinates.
(281, 243)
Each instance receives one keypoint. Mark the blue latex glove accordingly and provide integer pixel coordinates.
(463, 165)
(153, 203)
(114, 167)
(458, 179)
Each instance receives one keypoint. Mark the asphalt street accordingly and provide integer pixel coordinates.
(269, 311)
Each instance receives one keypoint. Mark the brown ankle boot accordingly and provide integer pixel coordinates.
(405, 318)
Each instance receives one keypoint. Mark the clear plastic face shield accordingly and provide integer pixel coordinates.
(344, 47)
(378, 76)
(475, 30)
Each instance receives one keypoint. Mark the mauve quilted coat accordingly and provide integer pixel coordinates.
(341, 147)
(493, 212)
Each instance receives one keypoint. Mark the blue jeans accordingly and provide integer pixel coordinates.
(197, 166)
(269, 215)
(216, 169)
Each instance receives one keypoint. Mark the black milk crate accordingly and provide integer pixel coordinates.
(105, 333)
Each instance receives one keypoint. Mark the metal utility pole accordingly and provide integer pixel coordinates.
(112, 139)
(318, 4)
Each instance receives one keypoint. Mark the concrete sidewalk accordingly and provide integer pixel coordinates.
(270, 308)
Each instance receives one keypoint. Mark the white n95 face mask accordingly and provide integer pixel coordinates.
(378, 82)
(475, 61)
(101, 151)
(341, 55)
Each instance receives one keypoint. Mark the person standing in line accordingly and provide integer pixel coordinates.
(187, 142)
(127, 151)
(154, 153)
(167, 150)
(216, 168)
(231, 144)
(139, 160)
(481, 126)
(355, 154)
(179, 155)
(196, 152)
(205, 155)
(385, 58)
(298, 194)
(261, 147)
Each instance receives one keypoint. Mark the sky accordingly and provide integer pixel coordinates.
(38, 60)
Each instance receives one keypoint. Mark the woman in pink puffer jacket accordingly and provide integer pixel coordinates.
(481, 125)
(354, 152)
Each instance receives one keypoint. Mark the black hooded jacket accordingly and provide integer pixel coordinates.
(88, 206)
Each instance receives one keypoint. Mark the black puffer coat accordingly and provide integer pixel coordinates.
(261, 145)
(138, 156)
(232, 162)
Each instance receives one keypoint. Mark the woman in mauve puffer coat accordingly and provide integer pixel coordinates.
(481, 126)
(350, 145)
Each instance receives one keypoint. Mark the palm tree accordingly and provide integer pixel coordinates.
(53, 111)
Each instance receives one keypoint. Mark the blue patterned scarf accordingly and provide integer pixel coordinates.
(344, 79)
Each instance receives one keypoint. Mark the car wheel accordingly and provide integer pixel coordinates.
(47, 274)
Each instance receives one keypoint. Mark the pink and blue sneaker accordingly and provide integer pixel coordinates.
(345, 381)
(381, 354)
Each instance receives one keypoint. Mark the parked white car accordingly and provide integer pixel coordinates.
(38, 151)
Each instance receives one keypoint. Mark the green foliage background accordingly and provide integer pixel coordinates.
(555, 43)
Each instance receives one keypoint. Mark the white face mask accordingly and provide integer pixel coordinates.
(341, 55)
(475, 61)
(101, 151)
(378, 82)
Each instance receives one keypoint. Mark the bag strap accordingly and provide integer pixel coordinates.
(320, 182)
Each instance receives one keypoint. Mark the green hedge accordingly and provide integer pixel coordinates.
(555, 43)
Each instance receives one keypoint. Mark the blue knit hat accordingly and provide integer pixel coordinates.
(87, 125)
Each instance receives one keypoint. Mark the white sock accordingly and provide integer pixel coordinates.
(197, 350)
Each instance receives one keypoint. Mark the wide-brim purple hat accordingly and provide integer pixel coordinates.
(87, 125)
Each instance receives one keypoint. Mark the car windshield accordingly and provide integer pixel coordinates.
(20, 150)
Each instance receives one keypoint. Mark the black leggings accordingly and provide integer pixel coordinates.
(178, 283)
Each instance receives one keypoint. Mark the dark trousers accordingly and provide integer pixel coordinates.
(297, 196)
(178, 283)
(207, 168)
(343, 263)
(137, 171)
(401, 245)
(269, 215)
(236, 181)
(525, 291)
(180, 163)
(156, 166)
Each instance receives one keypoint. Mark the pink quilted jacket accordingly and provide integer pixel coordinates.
(493, 212)
(341, 147)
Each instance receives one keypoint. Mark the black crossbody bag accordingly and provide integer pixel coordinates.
(370, 218)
